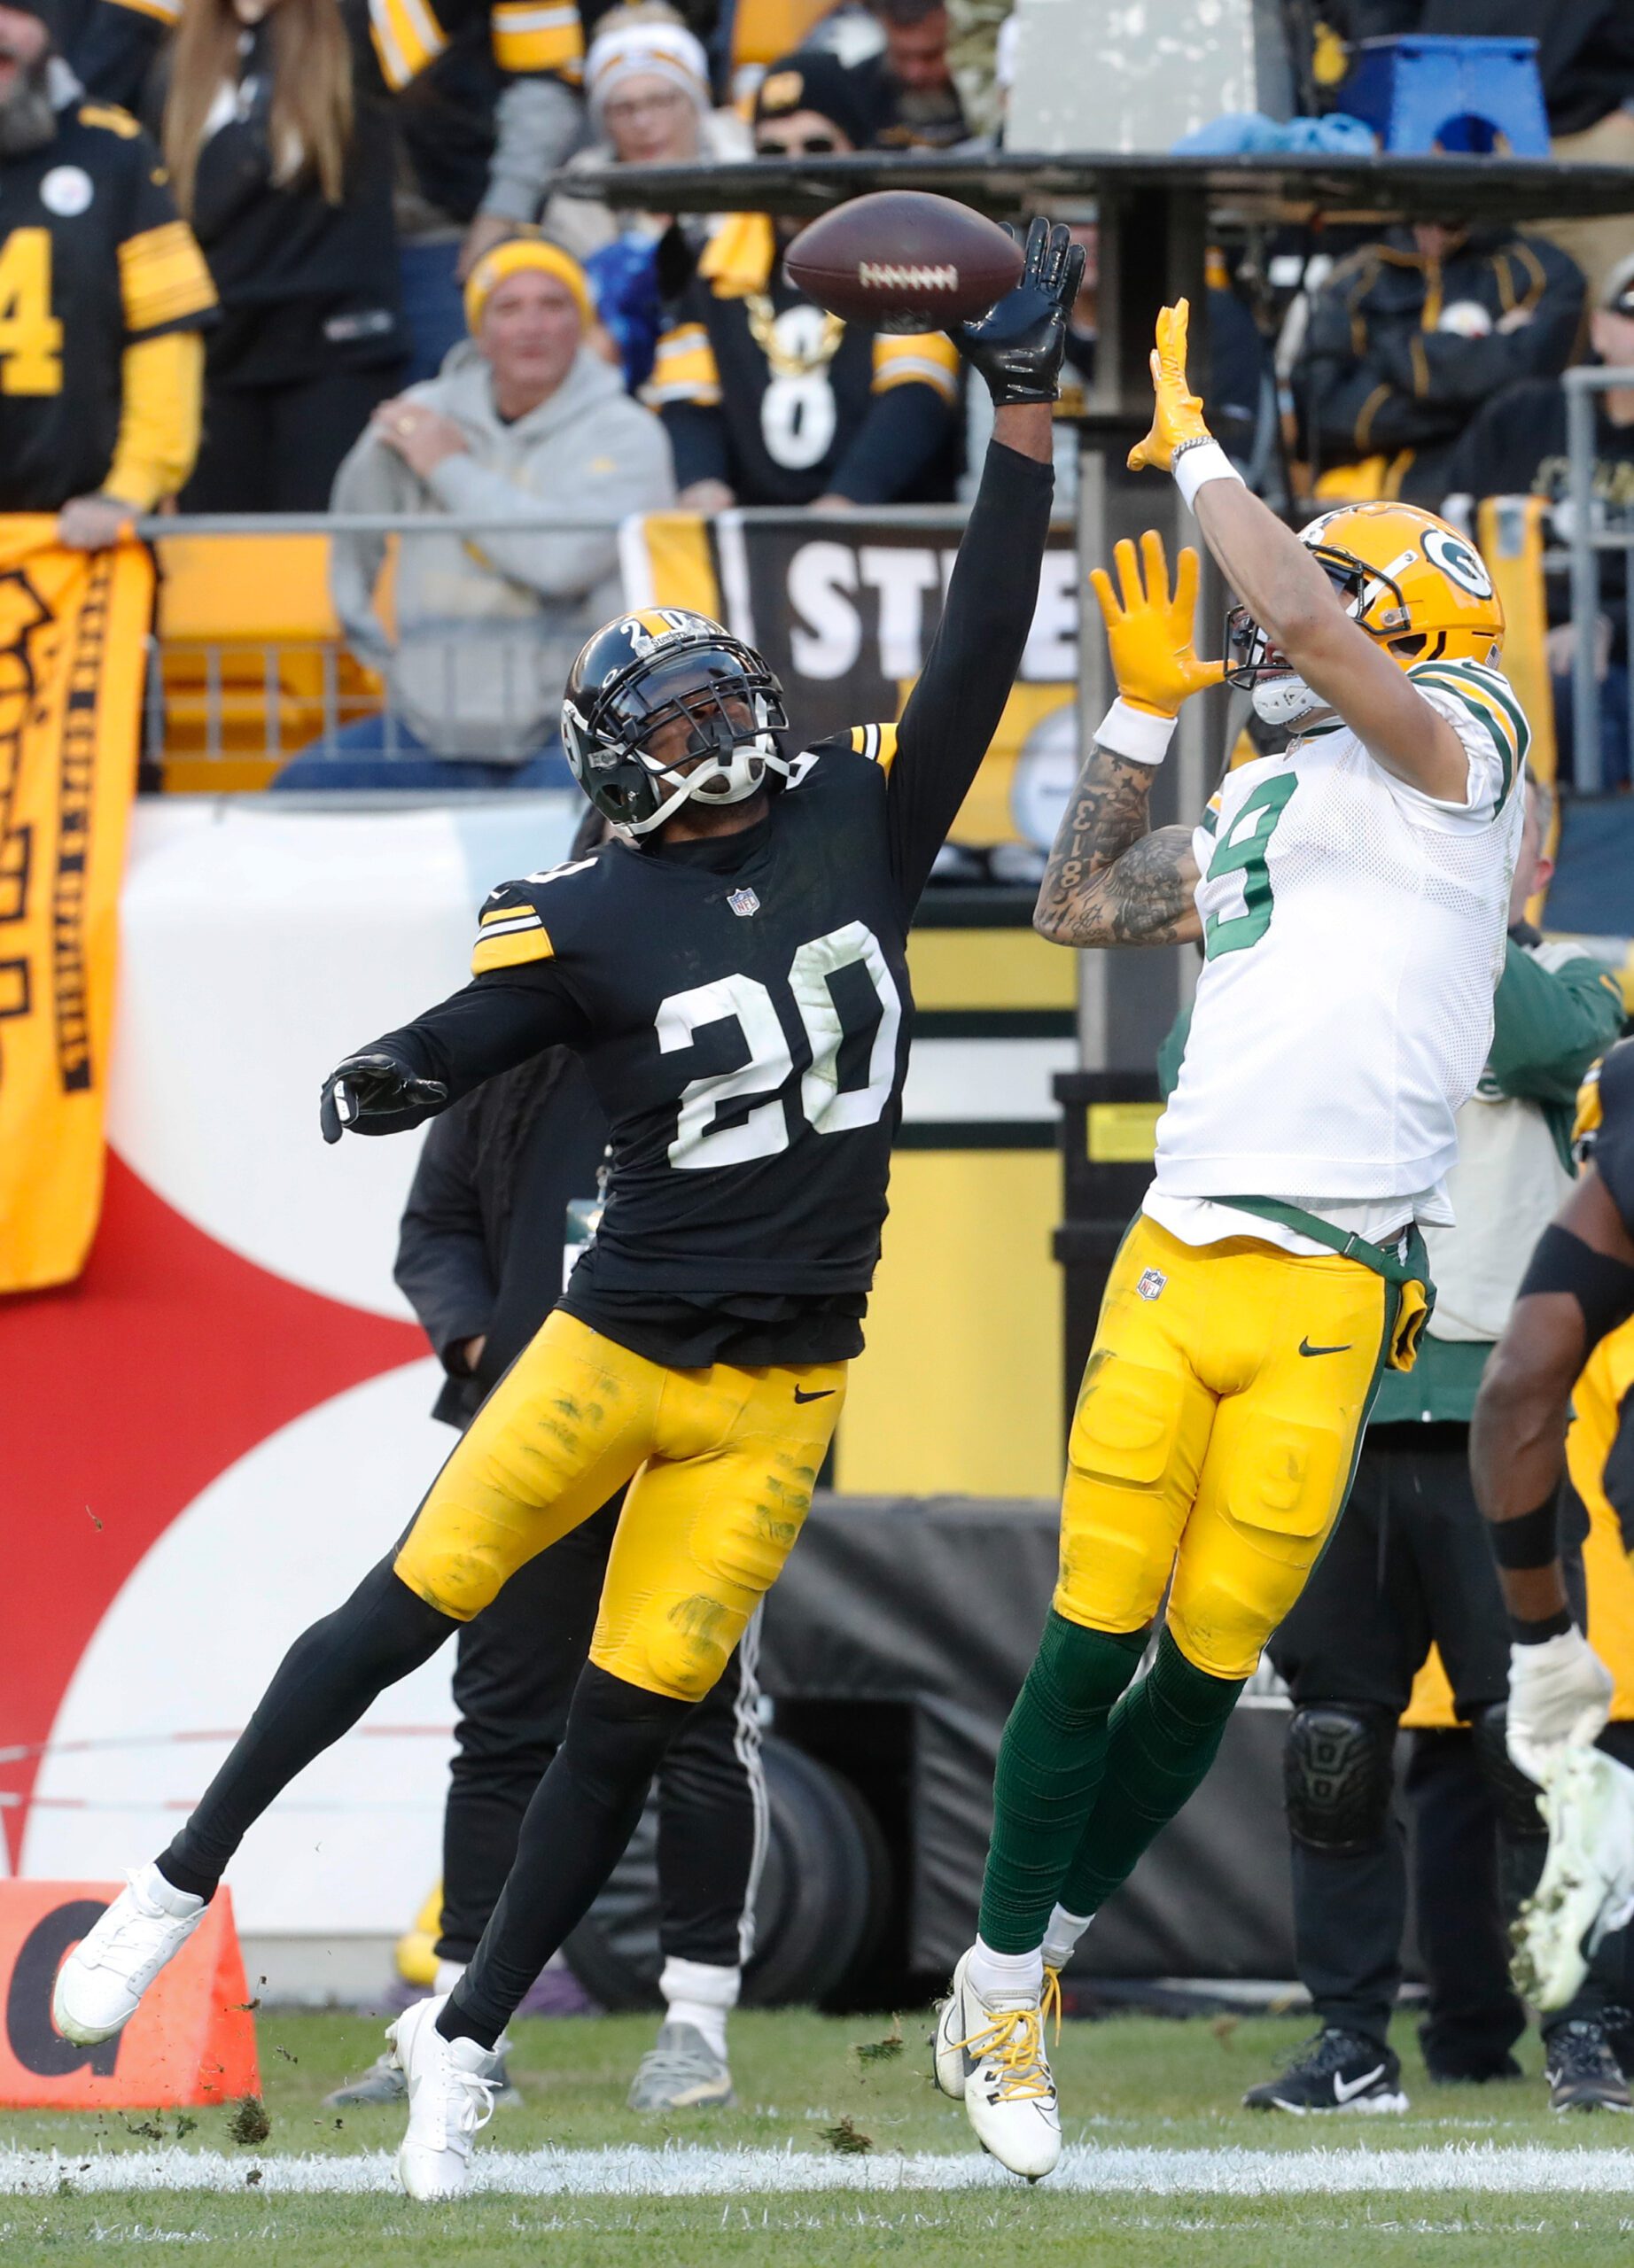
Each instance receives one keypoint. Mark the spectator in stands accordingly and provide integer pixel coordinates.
(1409, 336)
(527, 422)
(1517, 446)
(100, 355)
(767, 399)
(1585, 58)
(647, 85)
(906, 92)
(282, 158)
(648, 94)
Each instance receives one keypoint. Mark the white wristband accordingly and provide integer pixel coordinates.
(1204, 460)
(1136, 735)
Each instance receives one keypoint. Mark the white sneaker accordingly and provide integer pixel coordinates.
(1587, 1886)
(99, 1987)
(990, 2057)
(451, 2088)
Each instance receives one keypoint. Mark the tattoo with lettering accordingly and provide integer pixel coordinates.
(1111, 881)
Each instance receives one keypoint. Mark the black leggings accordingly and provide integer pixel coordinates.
(518, 1663)
(278, 448)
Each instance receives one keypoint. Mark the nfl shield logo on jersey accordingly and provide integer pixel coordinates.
(744, 902)
(1151, 1284)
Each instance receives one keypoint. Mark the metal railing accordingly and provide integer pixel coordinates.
(305, 691)
(1588, 535)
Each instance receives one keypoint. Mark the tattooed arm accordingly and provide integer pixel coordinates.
(1110, 881)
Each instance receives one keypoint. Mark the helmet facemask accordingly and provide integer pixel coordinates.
(1371, 599)
(722, 760)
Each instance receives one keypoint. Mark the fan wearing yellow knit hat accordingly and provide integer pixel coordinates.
(524, 426)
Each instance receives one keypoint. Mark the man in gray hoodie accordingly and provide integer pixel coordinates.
(524, 421)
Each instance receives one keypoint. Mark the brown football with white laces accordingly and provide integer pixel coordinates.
(902, 259)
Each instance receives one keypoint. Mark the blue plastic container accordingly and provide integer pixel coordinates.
(1422, 93)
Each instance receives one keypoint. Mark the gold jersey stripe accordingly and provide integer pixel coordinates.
(163, 277)
(528, 37)
(511, 952)
(406, 37)
(877, 743)
(684, 368)
(508, 913)
(916, 358)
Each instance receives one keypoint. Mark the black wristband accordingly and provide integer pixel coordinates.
(1532, 1540)
(1533, 1633)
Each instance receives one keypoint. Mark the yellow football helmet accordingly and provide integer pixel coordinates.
(1408, 578)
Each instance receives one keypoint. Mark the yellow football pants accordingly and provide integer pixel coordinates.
(724, 1462)
(1215, 1437)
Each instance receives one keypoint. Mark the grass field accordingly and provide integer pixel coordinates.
(1167, 2168)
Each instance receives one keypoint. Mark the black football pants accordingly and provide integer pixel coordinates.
(518, 1665)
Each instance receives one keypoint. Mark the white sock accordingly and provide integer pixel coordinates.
(449, 1975)
(1061, 1939)
(700, 1993)
(1005, 1978)
(180, 1905)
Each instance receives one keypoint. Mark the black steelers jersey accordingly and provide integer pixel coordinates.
(741, 1002)
(1605, 1120)
(93, 259)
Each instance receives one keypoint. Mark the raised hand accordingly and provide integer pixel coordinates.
(1017, 346)
(1176, 419)
(1149, 629)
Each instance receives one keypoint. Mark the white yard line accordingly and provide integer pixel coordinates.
(691, 2171)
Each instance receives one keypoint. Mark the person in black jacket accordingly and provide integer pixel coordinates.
(1410, 336)
(1516, 447)
(280, 145)
(501, 1177)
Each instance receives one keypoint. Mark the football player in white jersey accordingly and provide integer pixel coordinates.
(1351, 896)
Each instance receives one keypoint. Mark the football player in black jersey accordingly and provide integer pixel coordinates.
(732, 969)
(1578, 1286)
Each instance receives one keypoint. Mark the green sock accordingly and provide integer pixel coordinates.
(1163, 1735)
(1049, 1768)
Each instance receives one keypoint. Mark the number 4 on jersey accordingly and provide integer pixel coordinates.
(1241, 851)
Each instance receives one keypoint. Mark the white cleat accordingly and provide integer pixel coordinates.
(990, 2057)
(452, 2084)
(1587, 1886)
(99, 1987)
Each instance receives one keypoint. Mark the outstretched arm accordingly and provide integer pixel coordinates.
(953, 711)
(1286, 591)
(1110, 881)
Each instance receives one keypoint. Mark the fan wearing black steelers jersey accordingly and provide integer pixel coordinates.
(732, 969)
(101, 294)
(1578, 1288)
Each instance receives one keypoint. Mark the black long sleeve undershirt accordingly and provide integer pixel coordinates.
(953, 712)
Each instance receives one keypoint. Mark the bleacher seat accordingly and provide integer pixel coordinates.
(247, 638)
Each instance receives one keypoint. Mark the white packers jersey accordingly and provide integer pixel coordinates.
(1354, 931)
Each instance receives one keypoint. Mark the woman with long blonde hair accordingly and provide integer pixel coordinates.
(280, 151)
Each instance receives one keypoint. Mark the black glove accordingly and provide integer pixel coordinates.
(1018, 345)
(375, 1086)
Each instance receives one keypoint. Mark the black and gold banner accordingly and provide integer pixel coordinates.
(72, 630)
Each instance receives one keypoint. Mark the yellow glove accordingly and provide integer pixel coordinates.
(1149, 632)
(1177, 417)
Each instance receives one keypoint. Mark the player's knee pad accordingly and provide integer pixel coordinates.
(1514, 1795)
(680, 1652)
(1338, 1769)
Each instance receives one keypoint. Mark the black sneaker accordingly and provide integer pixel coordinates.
(1337, 2071)
(1582, 2072)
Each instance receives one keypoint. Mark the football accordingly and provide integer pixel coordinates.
(902, 259)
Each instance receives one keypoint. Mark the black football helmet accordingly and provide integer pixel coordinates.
(642, 671)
